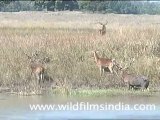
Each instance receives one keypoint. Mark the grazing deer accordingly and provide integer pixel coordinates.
(37, 69)
(102, 31)
(132, 80)
(103, 63)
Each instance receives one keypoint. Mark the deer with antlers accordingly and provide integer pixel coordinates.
(102, 31)
(104, 63)
(37, 69)
(134, 81)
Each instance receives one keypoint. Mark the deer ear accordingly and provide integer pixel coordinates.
(93, 51)
(120, 68)
(46, 60)
(113, 60)
(29, 57)
(126, 68)
(97, 51)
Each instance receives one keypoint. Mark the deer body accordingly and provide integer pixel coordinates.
(37, 68)
(38, 71)
(135, 80)
(103, 63)
(103, 30)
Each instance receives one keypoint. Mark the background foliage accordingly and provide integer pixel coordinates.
(101, 6)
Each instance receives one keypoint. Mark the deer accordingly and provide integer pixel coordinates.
(134, 81)
(37, 69)
(103, 63)
(102, 31)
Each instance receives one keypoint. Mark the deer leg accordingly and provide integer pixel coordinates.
(38, 78)
(116, 73)
(129, 87)
(101, 70)
(143, 87)
(100, 31)
(132, 88)
(32, 75)
(110, 69)
(42, 77)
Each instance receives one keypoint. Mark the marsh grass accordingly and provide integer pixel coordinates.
(72, 65)
(106, 92)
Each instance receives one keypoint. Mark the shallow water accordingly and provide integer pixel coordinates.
(14, 107)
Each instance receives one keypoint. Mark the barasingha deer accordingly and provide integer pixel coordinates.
(102, 31)
(37, 69)
(104, 63)
(133, 80)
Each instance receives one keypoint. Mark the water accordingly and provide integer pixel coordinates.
(14, 107)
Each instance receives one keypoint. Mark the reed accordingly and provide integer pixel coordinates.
(71, 63)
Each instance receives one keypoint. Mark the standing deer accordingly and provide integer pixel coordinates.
(102, 31)
(37, 69)
(132, 80)
(103, 63)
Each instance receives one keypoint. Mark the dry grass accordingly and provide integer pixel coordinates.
(68, 39)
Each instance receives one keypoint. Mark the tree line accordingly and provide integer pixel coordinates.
(101, 6)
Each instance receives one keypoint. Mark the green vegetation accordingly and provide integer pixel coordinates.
(86, 92)
(105, 92)
(120, 7)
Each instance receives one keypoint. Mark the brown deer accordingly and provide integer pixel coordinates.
(102, 31)
(37, 69)
(103, 63)
(134, 81)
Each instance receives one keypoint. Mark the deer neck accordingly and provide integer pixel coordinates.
(124, 73)
(104, 27)
(33, 64)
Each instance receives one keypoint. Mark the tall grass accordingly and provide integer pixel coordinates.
(72, 63)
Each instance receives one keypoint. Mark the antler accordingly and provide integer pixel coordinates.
(29, 57)
(103, 23)
(106, 22)
(100, 23)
